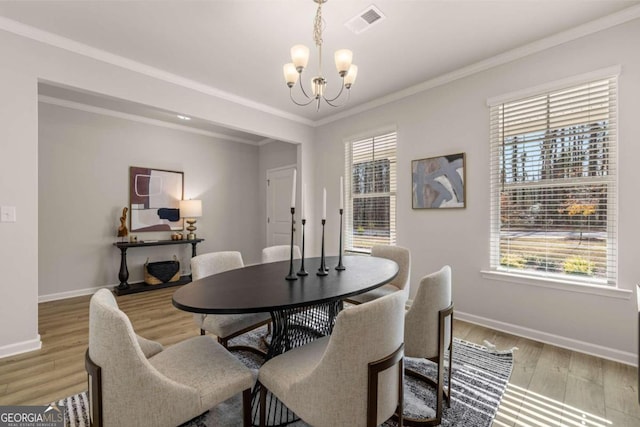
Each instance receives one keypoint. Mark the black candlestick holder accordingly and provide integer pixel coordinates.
(292, 275)
(302, 271)
(340, 266)
(322, 271)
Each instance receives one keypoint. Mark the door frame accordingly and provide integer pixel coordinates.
(292, 166)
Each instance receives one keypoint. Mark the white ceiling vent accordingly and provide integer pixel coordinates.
(365, 19)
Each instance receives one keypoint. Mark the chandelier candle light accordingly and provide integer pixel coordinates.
(300, 57)
(292, 275)
(302, 271)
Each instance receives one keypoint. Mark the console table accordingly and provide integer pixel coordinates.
(125, 288)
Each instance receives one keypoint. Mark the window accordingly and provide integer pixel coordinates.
(370, 215)
(554, 184)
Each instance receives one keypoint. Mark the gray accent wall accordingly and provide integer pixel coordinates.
(83, 180)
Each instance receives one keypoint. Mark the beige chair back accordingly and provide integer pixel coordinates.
(279, 253)
(215, 262)
(362, 334)
(125, 371)
(402, 256)
(421, 321)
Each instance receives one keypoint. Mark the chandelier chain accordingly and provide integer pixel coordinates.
(317, 26)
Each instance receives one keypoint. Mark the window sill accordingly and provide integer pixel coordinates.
(563, 285)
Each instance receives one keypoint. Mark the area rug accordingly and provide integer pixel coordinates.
(480, 377)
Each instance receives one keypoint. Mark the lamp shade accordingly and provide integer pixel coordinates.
(343, 59)
(350, 78)
(190, 208)
(291, 75)
(300, 56)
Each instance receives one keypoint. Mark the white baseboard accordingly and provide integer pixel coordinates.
(70, 294)
(547, 338)
(21, 347)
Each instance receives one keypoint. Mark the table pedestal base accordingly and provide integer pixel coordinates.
(292, 328)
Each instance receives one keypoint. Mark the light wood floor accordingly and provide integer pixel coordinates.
(549, 386)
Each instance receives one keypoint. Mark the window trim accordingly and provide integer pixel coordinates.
(603, 73)
(609, 291)
(373, 133)
(610, 287)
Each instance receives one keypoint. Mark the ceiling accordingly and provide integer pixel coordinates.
(238, 47)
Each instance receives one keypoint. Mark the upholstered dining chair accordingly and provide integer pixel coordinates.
(279, 253)
(400, 255)
(349, 378)
(428, 333)
(137, 382)
(225, 326)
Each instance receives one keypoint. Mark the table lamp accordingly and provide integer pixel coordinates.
(190, 210)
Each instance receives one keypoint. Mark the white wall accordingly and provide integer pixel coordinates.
(454, 118)
(19, 188)
(84, 184)
(22, 64)
(273, 155)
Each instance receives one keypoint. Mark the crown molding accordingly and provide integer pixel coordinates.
(583, 30)
(51, 39)
(265, 141)
(135, 118)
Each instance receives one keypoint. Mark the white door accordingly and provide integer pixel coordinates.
(279, 182)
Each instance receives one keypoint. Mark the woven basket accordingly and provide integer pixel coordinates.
(156, 273)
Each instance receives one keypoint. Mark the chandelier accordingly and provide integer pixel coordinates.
(300, 57)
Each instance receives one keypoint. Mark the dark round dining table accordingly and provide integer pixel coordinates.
(263, 288)
(301, 310)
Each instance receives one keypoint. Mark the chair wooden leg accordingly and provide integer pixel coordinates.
(450, 377)
(438, 383)
(374, 370)
(400, 409)
(94, 376)
(263, 405)
(246, 408)
(439, 388)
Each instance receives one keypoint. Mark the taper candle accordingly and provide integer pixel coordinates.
(293, 190)
(302, 201)
(341, 193)
(324, 203)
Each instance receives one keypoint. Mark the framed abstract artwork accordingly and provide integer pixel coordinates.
(439, 182)
(154, 199)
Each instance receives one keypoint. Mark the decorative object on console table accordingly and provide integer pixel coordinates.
(191, 209)
(157, 273)
(155, 195)
(122, 230)
(439, 182)
(125, 287)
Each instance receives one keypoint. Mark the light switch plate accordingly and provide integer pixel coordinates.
(7, 214)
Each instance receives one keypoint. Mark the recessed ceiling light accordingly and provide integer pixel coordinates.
(183, 117)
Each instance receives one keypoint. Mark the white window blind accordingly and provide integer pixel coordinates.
(553, 181)
(370, 180)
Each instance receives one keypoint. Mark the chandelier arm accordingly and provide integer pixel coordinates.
(303, 104)
(329, 101)
(303, 91)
